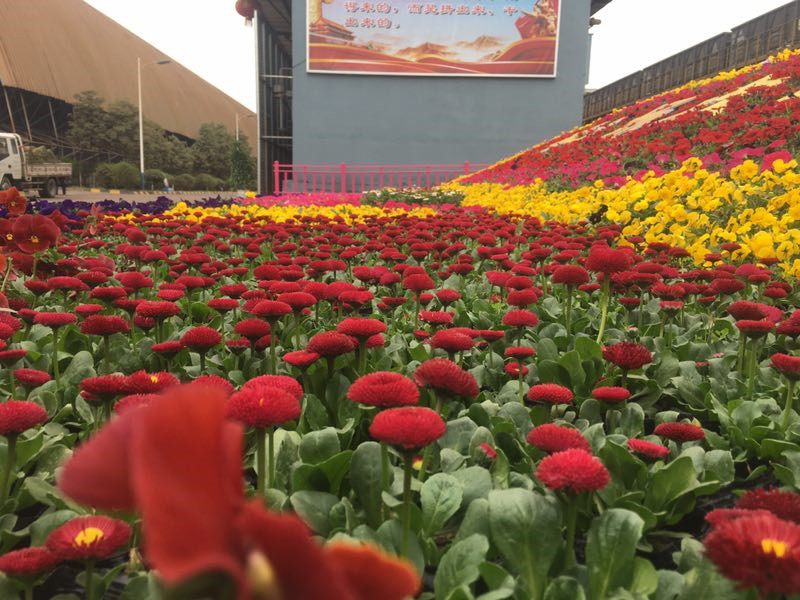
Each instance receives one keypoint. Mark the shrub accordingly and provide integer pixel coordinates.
(206, 182)
(103, 175)
(183, 182)
(154, 179)
(124, 175)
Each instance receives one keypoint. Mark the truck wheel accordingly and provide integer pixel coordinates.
(5, 182)
(50, 188)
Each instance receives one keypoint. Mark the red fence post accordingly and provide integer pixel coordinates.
(276, 169)
(466, 167)
(343, 175)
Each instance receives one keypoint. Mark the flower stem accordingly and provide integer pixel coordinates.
(568, 310)
(604, 294)
(570, 517)
(261, 460)
(408, 460)
(385, 473)
(56, 373)
(11, 462)
(106, 352)
(28, 591)
(787, 407)
(521, 391)
(751, 368)
(202, 362)
(362, 356)
(11, 385)
(89, 582)
(271, 443)
(273, 359)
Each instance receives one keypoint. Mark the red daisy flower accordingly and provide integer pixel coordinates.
(523, 298)
(31, 378)
(755, 329)
(446, 376)
(87, 538)
(17, 416)
(223, 304)
(446, 296)
(168, 349)
(627, 355)
(86, 310)
(104, 387)
(418, 282)
(216, 382)
(648, 449)
(28, 561)
(109, 294)
(297, 300)
(556, 438)
(54, 319)
(301, 358)
(784, 505)
(513, 369)
(574, 469)
(360, 328)
(488, 451)
(263, 406)
(451, 341)
(10, 357)
(104, 325)
(718, 516)
(157, 309)
(409, 427)
(520, 317)
(519, 352)
(551, 393)
(757, 551)
(611, 394)
(142, 382)
(436, 317)
(252, 329)
(201, 339)
(787, 364)
(283, 382)
(572, 275)
(330, 343)
(603, 259)
(133, 401)
(680, 432)
(385, 389)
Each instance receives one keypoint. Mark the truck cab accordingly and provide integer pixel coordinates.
(44, 178)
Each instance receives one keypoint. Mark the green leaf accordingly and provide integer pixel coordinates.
(476, 482)
(645, 578)
(588, 348)
(571, 361)
(719, 466)
(670, 585)
(564, 588)
(610, 548)
(458, 435)
(670, 482)
(441, 498)
(42, 527)
(315, 509)
(365, 479)
(705, 581)
(631, 421)
(317, 446)
(546, 349)
(476, 520)
(459, 565)
(526, 530)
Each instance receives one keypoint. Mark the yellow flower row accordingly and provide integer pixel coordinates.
(688, 207)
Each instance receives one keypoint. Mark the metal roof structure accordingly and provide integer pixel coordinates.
(597, 5)
(60, 48)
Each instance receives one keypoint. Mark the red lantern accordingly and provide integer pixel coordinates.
(246, 8)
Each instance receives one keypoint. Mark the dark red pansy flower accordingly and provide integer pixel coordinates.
(330, 343)
(201, 339)
(263, 406)
(360, 327)
(648, 449)
(17, 416)
(104, 325)
(551, 393)
(54, 319)
(34, 233)
(680, 432)
(787, 364)
(408, 427)
(283, 382)
(27, 562)
(627, 355)
(385, 389)
(611, 394)
(783, 504)
(88, 538)
(575, 470)
(556, 438)
(446, 376)
(603, 259)
(520, 317)
(31, 378)
(757, 551)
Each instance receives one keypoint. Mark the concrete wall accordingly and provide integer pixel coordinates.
(374, 119)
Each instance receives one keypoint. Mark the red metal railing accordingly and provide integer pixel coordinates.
(310, 179)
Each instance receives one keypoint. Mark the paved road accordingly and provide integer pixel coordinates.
(87, 196)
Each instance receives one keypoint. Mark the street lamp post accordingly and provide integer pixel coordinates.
(237, 123)
(141, 120)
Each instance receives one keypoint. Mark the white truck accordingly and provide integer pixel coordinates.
(17, 170)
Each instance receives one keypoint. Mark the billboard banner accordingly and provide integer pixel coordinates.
(484, 38)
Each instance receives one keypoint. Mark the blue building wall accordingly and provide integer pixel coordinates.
(374, 119)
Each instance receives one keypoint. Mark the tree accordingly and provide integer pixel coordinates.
(242, 165)
(212, 150)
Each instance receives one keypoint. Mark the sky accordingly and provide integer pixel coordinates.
(210, 38)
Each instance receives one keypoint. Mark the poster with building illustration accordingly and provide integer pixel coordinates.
(489, 38)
